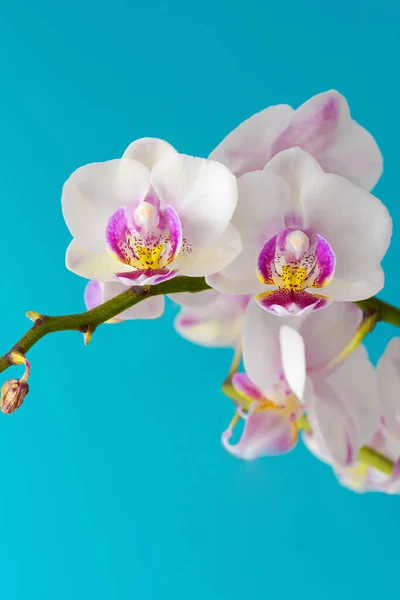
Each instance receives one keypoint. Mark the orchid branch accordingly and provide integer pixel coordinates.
(385, 312)
(87, 322)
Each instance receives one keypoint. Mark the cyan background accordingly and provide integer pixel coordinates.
(114, 485)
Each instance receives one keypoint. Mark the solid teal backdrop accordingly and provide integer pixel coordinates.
(114, 482)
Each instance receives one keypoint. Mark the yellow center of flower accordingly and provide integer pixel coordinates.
(149, 258)
(293, 277)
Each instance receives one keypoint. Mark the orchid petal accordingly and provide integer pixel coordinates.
(97, 293)
(332, 427)
(93, 295)
(267, 432)
(355, 223)
(197, 301)
(360, 287)
(199, 262)
(326, 333)
(296, 167)
(344, 411)
(360, 477)
(315, 125)
(261, 347)
(94, 192)
(151, 308)
(203, 193)
(245, 387)
(248, 147)
(149, 151)
(264, 201)
(356, 383)
(323, 127)
(256, 220)
(213, 320)
(225, 285)
(293, 359)
(388, 371)
(90, 265)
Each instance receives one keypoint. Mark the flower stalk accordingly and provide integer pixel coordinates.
(44, 325)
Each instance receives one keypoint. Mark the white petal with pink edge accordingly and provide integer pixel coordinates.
(321, 126)
(248, 147)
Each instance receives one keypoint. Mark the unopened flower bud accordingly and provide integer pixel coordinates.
(13, 393)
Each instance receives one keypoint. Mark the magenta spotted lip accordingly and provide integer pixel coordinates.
(147, 238)
(292, 262)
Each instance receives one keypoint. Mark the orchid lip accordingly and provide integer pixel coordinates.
(293, 262)
(148, 240)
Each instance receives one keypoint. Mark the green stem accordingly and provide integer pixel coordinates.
(385, 312)
(374, 459)
(91, 319)
(227, 387)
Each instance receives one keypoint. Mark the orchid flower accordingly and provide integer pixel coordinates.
(361, 477)
(150, 216)
(322, 126)
(210, 318)
(291, 368)
(97, 293)
(305, 231)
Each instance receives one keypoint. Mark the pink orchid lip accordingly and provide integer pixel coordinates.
(294, 261)
(268, 431)
(286, 302)
(147, 238)
(146, 277)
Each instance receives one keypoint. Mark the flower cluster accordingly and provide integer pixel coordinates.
(280, 222)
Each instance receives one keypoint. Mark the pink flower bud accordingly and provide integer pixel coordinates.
(13, 393)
